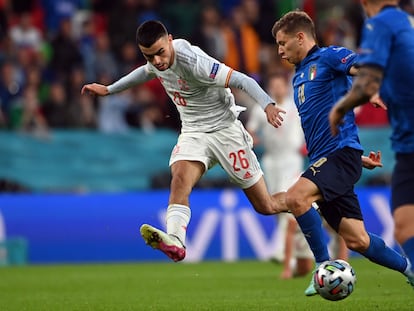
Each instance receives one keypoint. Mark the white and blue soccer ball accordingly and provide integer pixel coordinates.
(334, 279)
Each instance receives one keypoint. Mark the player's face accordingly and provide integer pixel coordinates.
(288, 47)
(160, 54)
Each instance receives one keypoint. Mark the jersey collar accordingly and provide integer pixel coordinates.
(310, 52)
(389, 6)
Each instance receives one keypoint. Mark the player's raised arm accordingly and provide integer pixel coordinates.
(252, 88)
(95, 89)
(135, 77)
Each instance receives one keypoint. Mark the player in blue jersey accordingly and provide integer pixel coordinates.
(322, 77)
(386, 64)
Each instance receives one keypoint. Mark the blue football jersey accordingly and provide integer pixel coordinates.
(320, 80)
(388, 42)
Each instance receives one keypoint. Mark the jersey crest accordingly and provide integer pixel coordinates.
(312, 72)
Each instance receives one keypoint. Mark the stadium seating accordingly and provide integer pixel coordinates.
(86, 161)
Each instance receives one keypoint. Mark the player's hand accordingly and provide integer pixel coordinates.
(336, 117)
(273, 113)
(95, 89)
(372, 161)
(377, 101)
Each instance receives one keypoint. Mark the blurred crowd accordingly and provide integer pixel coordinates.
(50, 48)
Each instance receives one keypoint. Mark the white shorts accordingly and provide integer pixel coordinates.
(230, 147)
(281, 171)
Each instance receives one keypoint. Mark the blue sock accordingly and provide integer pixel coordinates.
(311, 226)
(408, 247)
(383, 255)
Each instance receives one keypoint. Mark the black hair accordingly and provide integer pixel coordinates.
(149, 32)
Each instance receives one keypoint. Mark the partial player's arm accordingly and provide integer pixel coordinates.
(209, 71)
(135, 77)
(95, 89)
(252, 88)
(372, 161)
(375, 99)
(353, 71)
(366, 84)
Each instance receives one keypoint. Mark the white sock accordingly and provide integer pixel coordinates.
(178, 217)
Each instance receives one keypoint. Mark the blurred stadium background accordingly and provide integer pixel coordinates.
(78, 175)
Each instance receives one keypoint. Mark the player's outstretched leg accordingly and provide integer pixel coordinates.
(170, 245)
(311, 225)
(383, 255)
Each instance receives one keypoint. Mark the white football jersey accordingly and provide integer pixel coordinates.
(198, 85)
(282, 161)
(284, 141)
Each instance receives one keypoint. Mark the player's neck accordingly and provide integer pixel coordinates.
(375, 8)
(311, 48)
(172, 57)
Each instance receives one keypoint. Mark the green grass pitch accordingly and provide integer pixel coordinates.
(244, 285)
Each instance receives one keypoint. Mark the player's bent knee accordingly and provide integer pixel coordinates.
(296, 204)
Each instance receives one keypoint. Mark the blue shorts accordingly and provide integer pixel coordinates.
(335, 176)
(402, 183)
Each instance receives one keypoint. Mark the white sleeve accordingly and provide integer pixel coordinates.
(207, 70)
(251, 87)
(137, 76)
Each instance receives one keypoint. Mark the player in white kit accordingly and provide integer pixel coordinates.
(211, 134)
(282, 164)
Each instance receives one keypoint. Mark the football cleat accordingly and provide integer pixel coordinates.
(170, 245)
(311, 290)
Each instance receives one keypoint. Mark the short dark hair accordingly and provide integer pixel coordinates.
(149, 32)
(293, 22)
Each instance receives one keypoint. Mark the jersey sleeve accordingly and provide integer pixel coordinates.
(139, 75)
(207, 71)
(375, 44)
(341, 59)
(210, 71)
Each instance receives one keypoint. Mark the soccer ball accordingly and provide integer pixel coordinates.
(334, 279)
